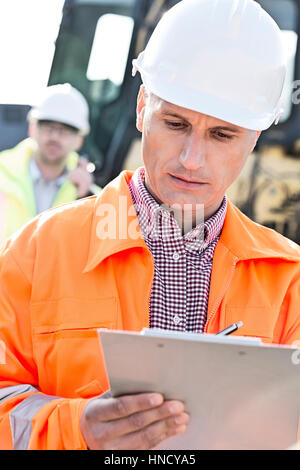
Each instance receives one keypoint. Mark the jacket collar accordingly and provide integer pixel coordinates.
(247, 240)
(114, 216)
(115, 228)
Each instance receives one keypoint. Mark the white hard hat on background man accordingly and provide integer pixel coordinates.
(62, 103)
(223, 58)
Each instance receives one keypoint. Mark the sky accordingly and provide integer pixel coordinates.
(28, 29)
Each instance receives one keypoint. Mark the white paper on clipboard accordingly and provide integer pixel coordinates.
(240, 394)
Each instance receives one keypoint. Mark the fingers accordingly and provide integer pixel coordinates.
(116, 408)
(142, 419)
(151, 436)
(132, 422)
(82, 179)
(82, 162)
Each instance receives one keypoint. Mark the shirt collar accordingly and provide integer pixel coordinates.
(36, 174)
(147, 209)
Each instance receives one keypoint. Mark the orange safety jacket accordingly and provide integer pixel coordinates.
(73, 269)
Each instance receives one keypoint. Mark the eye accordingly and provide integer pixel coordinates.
(175, 125)
(222, 136)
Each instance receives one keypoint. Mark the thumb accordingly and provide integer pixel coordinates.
(82, 162)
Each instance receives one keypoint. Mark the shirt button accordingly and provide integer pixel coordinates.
(176, 319)
(176, 256)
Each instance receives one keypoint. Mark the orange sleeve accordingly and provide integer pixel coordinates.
(28, 418)
(289, 319)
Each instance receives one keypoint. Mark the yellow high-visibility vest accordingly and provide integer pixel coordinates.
(17, 201)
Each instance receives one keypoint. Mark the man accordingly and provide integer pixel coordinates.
(138, 254)
(44, 170)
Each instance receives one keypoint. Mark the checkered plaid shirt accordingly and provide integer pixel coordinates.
(182, 263)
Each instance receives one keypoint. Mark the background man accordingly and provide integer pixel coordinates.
(200, 120)
(45, 170)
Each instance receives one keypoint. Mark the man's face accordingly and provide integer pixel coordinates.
(54, 140)
(189, 157)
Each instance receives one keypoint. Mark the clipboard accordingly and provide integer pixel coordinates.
(241, 394)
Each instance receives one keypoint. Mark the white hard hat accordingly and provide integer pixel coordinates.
(65, 104)
(223, 58)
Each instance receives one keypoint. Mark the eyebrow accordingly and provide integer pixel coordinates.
(234, 130)
(178, 116)
(227, 128)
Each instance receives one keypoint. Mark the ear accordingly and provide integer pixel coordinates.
(32, 130)
(140, 108)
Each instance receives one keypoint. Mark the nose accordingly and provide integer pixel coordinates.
(193, 154)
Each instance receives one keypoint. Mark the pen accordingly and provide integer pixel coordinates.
(230, 329)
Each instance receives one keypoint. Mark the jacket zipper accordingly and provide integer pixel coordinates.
(214, 310)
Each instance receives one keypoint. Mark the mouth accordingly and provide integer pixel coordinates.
(53, 144)
(187, 183)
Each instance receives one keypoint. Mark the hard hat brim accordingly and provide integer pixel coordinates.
(208, 104)
(35, 114)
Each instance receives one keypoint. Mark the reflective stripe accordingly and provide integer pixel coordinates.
(21, 418)
(14, 390)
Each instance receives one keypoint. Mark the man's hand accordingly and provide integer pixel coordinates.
(131, 422)
(81, 177)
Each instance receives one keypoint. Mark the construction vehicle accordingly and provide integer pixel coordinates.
(94, 49)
